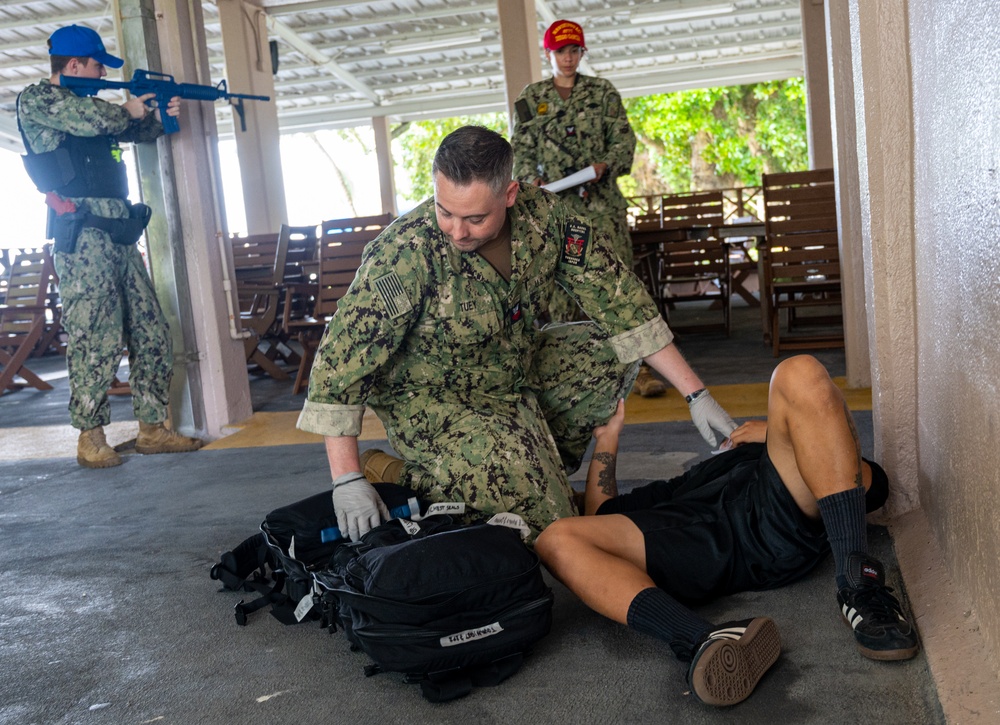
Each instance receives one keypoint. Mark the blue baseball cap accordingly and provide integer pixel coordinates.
(76, 41)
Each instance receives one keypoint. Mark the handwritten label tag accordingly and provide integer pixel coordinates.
(471, 635)
(511, 521)
(448, 507)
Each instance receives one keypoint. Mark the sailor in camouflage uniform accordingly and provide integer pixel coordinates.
(437, 335)
(565, 124)
(107, 297)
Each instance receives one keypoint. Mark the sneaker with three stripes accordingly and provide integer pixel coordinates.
(867, 605)
(729, 663)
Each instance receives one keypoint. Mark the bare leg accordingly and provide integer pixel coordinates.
(601, 559)
(811, 437)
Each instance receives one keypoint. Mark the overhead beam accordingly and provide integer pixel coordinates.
(319, 58)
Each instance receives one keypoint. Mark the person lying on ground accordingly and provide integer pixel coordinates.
(758, 516)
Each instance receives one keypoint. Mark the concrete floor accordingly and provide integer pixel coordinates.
(107, 613)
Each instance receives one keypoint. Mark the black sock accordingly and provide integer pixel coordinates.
(844, 517)
(655, 612)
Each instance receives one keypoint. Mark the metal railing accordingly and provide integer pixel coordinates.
(745, 203)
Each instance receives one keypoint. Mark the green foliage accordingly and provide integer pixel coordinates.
(414, 150)
(699, 139)
(732, 134)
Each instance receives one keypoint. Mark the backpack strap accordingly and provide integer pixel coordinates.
(452, 684)
(273, 595)
(244, 566)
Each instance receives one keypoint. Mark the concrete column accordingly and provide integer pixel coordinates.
(383, 156)
(845, 164)
(520, 48)
(880, 51)
(814, 54)
(248, 70)
(180, 181)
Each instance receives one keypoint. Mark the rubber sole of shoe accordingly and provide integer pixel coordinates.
(148, 451)
(728, 670)
(108, 463)
(887, 655)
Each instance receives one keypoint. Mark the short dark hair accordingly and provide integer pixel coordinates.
(58, 63)
(474, 153)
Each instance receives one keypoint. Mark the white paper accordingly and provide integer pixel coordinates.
(567, 182)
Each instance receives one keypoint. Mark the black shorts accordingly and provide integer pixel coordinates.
(727, 525)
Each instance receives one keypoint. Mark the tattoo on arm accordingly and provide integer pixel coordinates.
(606, 477)
(858, 480)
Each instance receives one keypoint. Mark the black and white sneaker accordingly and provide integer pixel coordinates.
(875, 615)
(732, 659)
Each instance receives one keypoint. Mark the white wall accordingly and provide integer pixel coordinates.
(955, 59)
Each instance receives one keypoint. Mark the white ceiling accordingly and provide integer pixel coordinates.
(343, 61)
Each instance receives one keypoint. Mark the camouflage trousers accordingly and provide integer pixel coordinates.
(515, 456)
(562, 307)
(109, 305)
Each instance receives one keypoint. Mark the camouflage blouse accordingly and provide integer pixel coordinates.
(424, 323)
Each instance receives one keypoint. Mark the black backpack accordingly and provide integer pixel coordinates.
(451, 606)
(294, 541)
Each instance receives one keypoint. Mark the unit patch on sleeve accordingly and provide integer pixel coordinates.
(393, 296)
(576, 243)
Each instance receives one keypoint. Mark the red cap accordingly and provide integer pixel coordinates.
(562, 33)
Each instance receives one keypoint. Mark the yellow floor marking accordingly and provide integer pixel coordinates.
(741, 401)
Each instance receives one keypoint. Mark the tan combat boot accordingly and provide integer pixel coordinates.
(379, 467)
(93, 451)
(648, 385)
(157, 438)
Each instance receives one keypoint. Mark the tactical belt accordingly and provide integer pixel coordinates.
(65, 228)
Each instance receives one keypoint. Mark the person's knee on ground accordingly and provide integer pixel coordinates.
(381, 467)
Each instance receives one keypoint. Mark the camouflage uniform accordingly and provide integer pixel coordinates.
(553, 138)
(447, 354)
(107, 297)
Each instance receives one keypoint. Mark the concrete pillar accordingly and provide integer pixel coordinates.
(845, 164)
(180, 181)
(520, 48)
(814, 54)
(383, 156)
(248, 70)
(880, 51)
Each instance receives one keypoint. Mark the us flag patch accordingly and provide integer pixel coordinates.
(515, 312)
(575, 243)
(393, 296)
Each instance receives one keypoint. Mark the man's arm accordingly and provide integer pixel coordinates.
(342, 455)
(601, 478)
(706, 413)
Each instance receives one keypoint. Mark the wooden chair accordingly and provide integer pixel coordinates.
(800, 260)
(23, 317)
(689, 264)
(259, 263)
(341, 243)
(692, 211)
(695, 270)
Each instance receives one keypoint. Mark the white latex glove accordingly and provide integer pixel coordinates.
(708, 415)
(357, 505)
